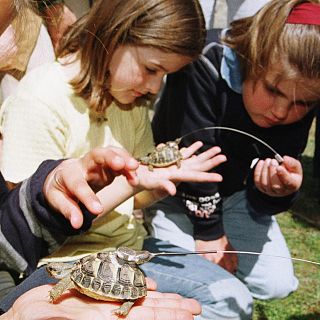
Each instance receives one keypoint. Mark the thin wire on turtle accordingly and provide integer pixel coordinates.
(169, 153)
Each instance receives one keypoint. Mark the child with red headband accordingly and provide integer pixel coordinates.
(264, 80)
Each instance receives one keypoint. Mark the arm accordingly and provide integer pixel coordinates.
(31, 227)
(161, 181)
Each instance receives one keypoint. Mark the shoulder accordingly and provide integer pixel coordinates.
(43, 90)
(45, 81)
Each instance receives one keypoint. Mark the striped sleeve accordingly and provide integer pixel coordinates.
(29, 230)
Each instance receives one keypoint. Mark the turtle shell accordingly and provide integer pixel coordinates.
(164, 155)
(104, 276)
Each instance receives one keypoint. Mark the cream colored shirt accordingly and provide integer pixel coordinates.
(44, 119)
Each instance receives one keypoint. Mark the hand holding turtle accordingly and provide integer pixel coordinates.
(191, 168)
(34, 305)
(278, 180)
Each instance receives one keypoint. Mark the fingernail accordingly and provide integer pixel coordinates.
(97, 206)
(274, 162)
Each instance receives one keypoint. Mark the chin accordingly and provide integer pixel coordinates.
(125, 100)
(261, 123)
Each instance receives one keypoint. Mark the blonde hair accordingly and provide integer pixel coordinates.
(21, 8)
(266, 39)
(174, 26)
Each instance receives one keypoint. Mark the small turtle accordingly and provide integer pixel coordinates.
(110, 276)
(163, 155)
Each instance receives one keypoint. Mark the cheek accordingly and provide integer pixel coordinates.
(125, 78)
(257, 101)
(297, 113)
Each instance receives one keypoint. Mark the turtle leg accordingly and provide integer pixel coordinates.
(124, 309)
(58, 289)
(178, 163)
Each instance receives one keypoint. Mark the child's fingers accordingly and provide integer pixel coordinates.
(210, 153)
(265, 180)
(154, 312)
(289, 182)
(276, 186)
(68, 208)
(188, 152)
(170, 301)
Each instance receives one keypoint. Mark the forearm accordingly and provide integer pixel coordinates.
(144, 199)
(117, 192)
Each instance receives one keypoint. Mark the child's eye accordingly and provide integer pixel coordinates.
(150, 70)
(306, 104)
(271, 89)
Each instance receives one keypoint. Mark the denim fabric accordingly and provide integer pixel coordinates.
(6, 283)
(221, 295)
(191, 276)
(265, 276)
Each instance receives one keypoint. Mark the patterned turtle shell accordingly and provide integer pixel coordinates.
(105, 276)
(163, 156)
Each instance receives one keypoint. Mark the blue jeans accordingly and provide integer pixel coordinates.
(266, 277)
(221, 295)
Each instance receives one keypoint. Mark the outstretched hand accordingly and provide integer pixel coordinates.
(35, 305)
(77, 180)
(278, 180)
(193, 169)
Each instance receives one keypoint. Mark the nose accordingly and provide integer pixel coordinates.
(280, 108)
(153, 84)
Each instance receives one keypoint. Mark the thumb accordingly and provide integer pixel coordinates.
(292, 165)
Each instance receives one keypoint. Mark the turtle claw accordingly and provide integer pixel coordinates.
(124, 309)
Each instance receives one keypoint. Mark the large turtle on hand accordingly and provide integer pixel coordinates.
(110, 276)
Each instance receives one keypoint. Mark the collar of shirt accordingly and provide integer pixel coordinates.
(230, 70)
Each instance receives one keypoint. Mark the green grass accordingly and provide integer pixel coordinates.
(300, 227)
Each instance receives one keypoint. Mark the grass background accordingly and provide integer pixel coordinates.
(301, 228)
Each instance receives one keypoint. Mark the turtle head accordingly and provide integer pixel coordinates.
(130, 255)
(59, 270)
(172, 144)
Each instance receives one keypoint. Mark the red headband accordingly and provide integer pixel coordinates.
(305, 13)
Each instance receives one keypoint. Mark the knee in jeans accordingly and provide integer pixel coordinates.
(231, 300)
(275, 287)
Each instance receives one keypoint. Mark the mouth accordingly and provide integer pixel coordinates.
(272, 121)
(137, 93)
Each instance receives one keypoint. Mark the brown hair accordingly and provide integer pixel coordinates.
(265, 39)
(175, 26)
